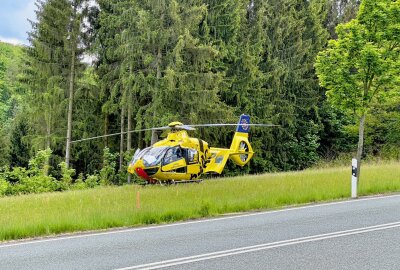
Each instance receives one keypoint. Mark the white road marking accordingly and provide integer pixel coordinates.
(272, 245)
(193, 222)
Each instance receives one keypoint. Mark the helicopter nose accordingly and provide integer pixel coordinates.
(138, 169)
(131, 168)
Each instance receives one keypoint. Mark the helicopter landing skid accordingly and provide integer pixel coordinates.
(172, 182)
(198, 181)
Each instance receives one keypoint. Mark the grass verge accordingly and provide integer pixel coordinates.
(53, 213)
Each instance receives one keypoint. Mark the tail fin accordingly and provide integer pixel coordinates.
(243, 125)
(241, 150)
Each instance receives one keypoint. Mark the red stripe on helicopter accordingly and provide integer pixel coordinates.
(141, 173)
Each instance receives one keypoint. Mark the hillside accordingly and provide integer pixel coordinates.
(10, 69)
(11, 91)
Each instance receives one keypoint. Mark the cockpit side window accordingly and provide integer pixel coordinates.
(173, 154)
(192, 156)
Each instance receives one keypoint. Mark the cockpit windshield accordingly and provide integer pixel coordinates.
(151, 156)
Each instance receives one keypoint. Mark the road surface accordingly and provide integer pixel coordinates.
(356, 234)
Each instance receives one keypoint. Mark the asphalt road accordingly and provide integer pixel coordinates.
(357, 234)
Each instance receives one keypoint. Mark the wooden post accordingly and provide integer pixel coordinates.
(137, 199)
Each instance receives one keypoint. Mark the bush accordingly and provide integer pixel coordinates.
(33, 180)
(79, 184)
(66, 173)
(92, 181)
(107, 173)
(4, 187)
(16, 175)
(39, 165)
(390, 152)
(34, 184)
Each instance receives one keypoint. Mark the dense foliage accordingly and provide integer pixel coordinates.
(361, 67)
(199, 61)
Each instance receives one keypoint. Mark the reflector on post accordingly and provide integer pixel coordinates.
(354, 178)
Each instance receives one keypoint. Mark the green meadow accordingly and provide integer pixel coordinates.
(107, 207)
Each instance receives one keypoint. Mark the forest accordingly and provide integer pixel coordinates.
(101, 67)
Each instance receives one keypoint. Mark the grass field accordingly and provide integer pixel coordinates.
(48, 214)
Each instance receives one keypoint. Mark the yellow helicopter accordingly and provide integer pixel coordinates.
(180, 158)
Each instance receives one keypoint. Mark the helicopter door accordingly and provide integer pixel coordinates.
(193, 167)
(174, 164)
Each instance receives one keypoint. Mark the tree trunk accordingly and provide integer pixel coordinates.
(159, 64)
(141, 134)
(105, 139)
(48, 132)
(129, 137)
(70, 103)
(121, 143)
(360, 144)
(48, 141)
(129, 134)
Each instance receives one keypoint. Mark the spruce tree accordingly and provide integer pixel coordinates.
(47, 70)
(74, 40)
(167, 71)
(52, 65)
(107, 29)
(293, 35)
(87, 155)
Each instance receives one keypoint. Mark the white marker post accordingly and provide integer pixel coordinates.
(354, 178)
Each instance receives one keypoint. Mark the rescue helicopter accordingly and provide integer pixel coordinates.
(180, 158)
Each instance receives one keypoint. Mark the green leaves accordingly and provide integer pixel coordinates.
(361, 65)
(200, 61)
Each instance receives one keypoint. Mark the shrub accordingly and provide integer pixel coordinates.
(107, 173)
(16, 175)
(79, 184)
(4, 187)
(66, 173)
(60, 185)
(92, 181)
(39, 164)
(34, 184)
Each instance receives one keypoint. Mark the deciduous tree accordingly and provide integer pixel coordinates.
(362, 65)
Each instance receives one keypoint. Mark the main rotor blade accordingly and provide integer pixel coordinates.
(223, 125)
(184, 127)
(119, 133)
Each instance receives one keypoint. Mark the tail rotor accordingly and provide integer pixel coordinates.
(244, 148)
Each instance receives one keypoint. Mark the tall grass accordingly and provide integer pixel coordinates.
(100, 208)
